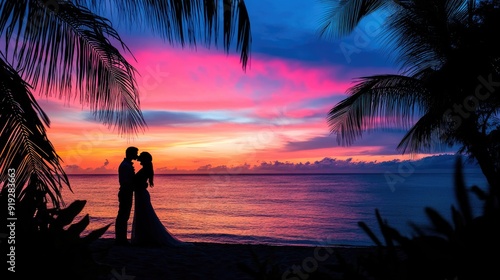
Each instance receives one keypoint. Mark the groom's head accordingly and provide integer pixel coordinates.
(131, 153)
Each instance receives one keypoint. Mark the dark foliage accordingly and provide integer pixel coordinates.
(48, 242)
(464, 248)
(446, 92)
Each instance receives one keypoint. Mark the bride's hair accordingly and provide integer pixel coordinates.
(147, 163)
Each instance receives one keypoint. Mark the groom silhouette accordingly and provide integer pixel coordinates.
(126, 174)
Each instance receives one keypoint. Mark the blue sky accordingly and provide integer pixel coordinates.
(202, 109)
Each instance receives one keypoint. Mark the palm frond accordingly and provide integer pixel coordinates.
(375, 102)
(422, 30)
(461, 193)
(23, 140)
(439, 224)
(384, 228)
(425, 135)
(67, 49)
(341, 17)
(370, 233)
(186, 21)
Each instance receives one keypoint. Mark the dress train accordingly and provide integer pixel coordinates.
(147, 229)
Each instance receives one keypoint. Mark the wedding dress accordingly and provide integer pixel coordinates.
(147, 229)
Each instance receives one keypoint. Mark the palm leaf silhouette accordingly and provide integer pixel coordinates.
(68, 52)
(23, 139)
(187, 22)
(340, 20)
(439, 223)
(66, 49)
(445, 50)
(394, 96)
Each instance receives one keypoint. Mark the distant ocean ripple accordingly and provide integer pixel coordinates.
(276, 209)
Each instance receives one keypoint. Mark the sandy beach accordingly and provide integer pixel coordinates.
(222, 261)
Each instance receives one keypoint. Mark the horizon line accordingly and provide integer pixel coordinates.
(451, 171)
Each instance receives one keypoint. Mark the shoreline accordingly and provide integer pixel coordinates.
(222, 260)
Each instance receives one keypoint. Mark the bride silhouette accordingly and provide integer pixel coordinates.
(147, 229)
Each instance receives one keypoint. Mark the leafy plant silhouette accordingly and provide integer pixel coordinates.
(464, 248)
(49, 242)
(269, 268)
(263, 269)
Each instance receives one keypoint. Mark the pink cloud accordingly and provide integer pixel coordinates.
(188, 80)
(274, 102)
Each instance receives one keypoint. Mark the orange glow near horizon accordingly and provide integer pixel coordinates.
(202, 109)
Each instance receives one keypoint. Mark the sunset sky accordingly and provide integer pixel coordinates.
(204, 111)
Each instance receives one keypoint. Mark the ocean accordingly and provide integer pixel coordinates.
(279, 209)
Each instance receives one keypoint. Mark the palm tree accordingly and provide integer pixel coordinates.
(65, 48)
(445, 93)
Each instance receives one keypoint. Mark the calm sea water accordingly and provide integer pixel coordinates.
(276, 209)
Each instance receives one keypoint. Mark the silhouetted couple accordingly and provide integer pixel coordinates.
(147, 229)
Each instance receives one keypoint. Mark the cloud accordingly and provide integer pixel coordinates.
(297, 38)
(443, 163)
(386, 142)
(199, 104)
(320, 142)
(378, 142)
(171, 118)
(76, 169)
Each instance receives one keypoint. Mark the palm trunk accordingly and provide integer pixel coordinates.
(480, 149)
(487, 165)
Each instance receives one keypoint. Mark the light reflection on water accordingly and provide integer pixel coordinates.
(274, 209)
